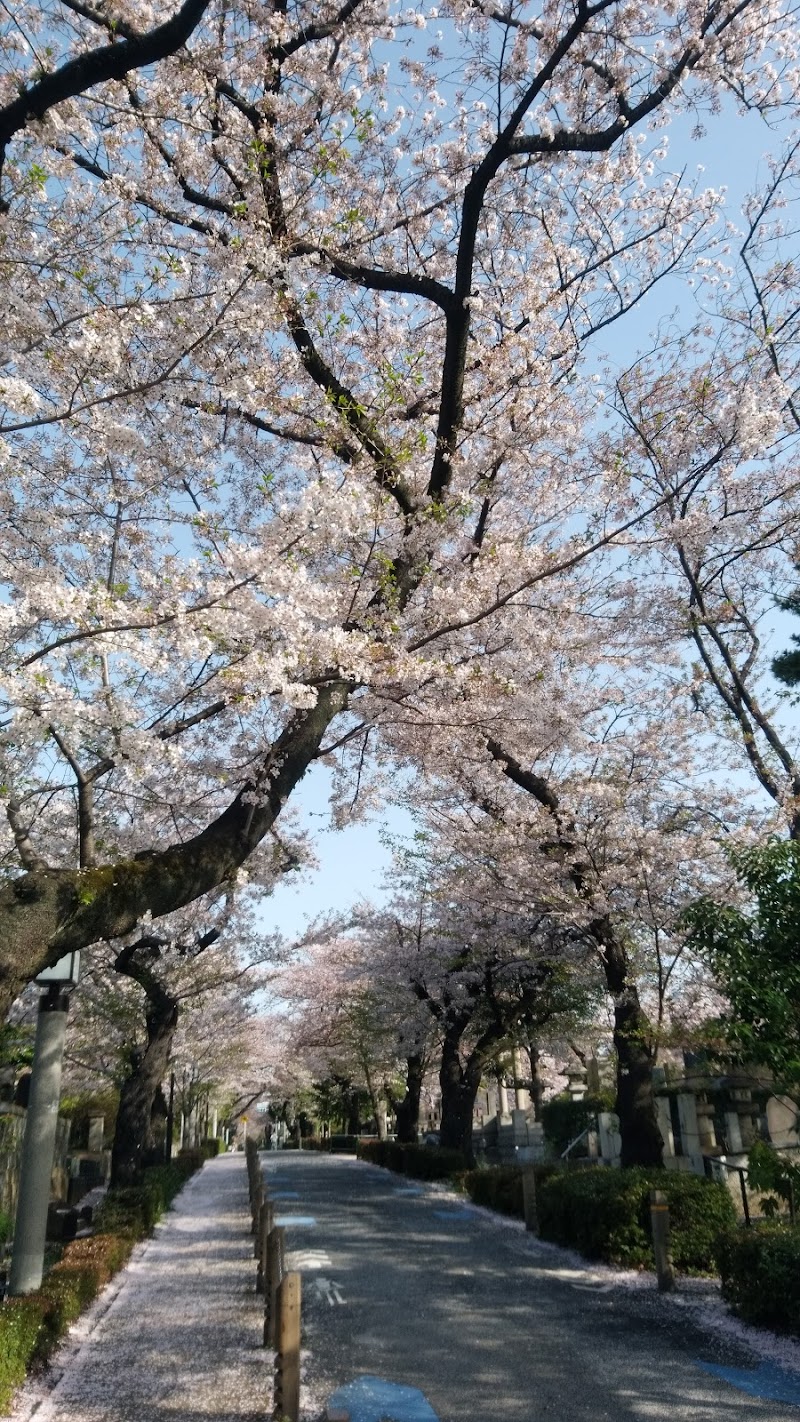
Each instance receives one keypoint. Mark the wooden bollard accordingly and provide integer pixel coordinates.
(659, 1221)
(259, 1214)
(275, 1257)
(287, 1361)
(257, 1197)
(264, 1227)
(529, 1200)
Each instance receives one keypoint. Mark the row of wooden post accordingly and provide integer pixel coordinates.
(282, 1295)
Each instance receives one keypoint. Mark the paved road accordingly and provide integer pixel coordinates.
(492, 1327)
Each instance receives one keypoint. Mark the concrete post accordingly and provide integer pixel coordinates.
(96, 1134)
(41, 1122)
(502, 1099)
(659, 1219)
(522, 1100)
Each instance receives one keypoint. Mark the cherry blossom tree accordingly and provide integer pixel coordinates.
(297, 387)
(189, 983)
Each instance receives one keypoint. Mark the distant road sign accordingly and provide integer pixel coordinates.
(262, 1105)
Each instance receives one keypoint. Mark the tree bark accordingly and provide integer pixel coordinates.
(460, 1082)
(375, 1102)
(642, 1142)
(537, 1085)
(46, 913)
(407, 1111)
(133, 1133)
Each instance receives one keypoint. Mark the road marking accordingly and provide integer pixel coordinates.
(309, 1259)
(768, 1380)
(370, 1399)
(327, 1291)
(461, 1212)
(284, 1195)
(295, 1221)
(408, 1190)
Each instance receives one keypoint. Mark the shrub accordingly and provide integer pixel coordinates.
(605, 1214)
(211, 1147)
(189, 1159)
(564, 1118)
(421, 1162)
(338, 1141)
(760, 1271)
(21, 1328)
(375, 1152)
(498, 1188)
(6, 1227)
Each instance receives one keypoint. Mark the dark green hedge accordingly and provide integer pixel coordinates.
(31, 1327)
(333, 1143)
(500, 1186)
(421, 1162)
(760, 1272)
(605, 1214)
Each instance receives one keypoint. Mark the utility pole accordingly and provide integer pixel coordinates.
(41, 1124)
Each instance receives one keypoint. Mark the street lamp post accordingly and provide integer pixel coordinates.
(41, 1123)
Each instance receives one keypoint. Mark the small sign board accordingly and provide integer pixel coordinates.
(65, 971)
(262, 1105)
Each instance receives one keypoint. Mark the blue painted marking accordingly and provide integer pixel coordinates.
(408, 1190)
(284, 1195)
(767, 1380)
(371, 1399)
(460, 1212)
(292, 1221)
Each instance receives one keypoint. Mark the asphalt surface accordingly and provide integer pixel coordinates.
(411, 1286)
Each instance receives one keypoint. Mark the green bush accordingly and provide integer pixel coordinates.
(189, 1159)
(22, 1327)
(6, 1227)
(605, 1214)
(760, 1272)
(338, 1141)
(421, 1162)
(31, 1327)
(564, 1118)
(498, 1188)
(211, 1146)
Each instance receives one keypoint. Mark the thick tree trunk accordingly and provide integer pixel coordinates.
(642, 1142)
(377, 1105)
(407, 1111)
(352, 1121)
(537, 1085)
(459, 1084)
(133, 1136)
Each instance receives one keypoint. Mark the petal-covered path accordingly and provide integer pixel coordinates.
(177, 1336)
(415, 1305)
